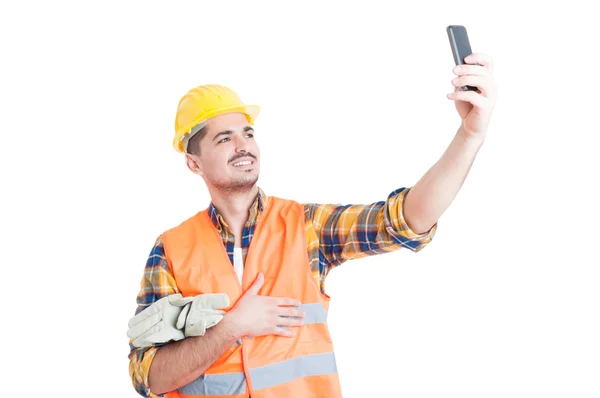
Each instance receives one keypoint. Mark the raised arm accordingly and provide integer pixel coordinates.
(344, 232)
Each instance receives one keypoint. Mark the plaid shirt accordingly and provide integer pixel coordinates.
(334, 234)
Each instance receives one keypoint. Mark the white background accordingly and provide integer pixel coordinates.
(503, 302)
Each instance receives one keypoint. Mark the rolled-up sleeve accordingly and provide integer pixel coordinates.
(157, 282)
(347, 232)
(397, 227)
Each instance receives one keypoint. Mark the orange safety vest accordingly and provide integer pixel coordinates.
(265, 366)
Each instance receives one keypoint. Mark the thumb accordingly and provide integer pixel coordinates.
(183, 316)
(258, 282)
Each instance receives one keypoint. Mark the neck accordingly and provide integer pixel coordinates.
(234, 206)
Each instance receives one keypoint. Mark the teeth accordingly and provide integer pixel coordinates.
(244, 163)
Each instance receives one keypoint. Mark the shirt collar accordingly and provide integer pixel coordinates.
(255, 210)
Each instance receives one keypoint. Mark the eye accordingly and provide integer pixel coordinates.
(250, 135)
(223, 140)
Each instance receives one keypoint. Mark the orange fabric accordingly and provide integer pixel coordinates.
(313, 339)
(313, 386)
(200, 265)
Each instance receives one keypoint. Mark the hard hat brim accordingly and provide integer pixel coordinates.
(251, 112)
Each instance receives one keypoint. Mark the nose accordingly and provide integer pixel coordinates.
(241, 144)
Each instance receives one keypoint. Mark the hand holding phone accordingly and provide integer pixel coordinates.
(461, 48)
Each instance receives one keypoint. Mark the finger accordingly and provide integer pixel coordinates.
(258, 282)
(141, 327)
(482, 59)
(174, 297)
(283, 332)
(476, 70)
(290, 311)
(183, 316)
(178, 300)
(144, 314)
(202, 312)
(289, 322)
(471, 97)
(480, 82)
(286, 301)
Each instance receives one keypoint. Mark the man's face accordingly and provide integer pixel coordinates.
(229, 156)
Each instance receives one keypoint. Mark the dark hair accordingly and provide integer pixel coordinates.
(193, 146)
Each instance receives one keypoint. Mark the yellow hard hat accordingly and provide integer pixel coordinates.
(205, 102)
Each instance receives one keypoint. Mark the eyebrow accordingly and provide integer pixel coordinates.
(229, 132)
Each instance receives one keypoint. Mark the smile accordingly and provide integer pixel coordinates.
(243, 163)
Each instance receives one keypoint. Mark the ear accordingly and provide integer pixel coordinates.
(193, 163)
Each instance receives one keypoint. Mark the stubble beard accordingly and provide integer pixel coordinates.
(237, 186)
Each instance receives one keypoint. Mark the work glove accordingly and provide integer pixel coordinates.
(160, 322)
(203, 313)
(175, 318)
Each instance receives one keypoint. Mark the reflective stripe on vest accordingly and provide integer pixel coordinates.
(315, 313)
(267, 376)
(270, 375)
(218, 384)
(286, 371)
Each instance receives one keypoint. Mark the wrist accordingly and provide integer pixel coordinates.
(230, 326)
(471, 139)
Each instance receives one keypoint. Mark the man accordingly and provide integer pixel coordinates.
(268, 257)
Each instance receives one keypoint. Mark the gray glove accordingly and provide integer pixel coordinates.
(175, 318)
(204, 313)
(160, 322)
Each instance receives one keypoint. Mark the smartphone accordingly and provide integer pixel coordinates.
(461, 48)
